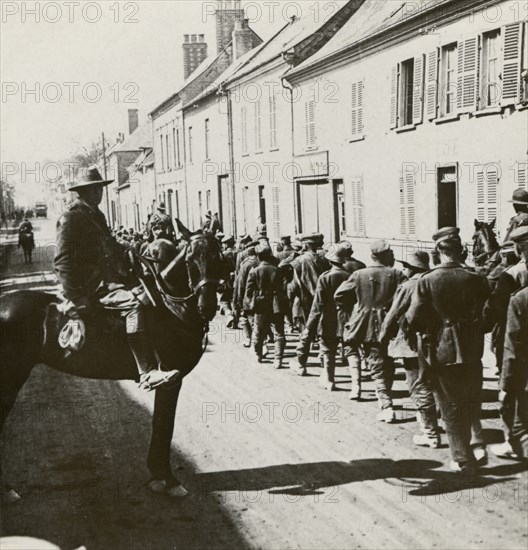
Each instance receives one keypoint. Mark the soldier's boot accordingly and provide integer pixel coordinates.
(354, 368)
(280, 344)
(246, 330)
(430, 436)
(326, 380)
(151, 376)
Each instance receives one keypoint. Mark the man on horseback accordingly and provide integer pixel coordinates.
(160, 225)
(84, 264)
(520, 204)
(26, 239)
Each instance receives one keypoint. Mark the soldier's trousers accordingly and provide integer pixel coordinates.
(303, 347)
(514, 415)
(422, 395)
(382, 370)
(261, 326)
(246, 322)
(457, 392)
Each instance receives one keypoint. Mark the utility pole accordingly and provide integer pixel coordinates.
(106, 177)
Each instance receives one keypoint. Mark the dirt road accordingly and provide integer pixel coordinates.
(270, 459)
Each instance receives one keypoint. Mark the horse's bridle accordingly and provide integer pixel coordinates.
(207, 281)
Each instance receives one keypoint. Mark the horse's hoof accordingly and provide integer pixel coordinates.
(178, 491)
(12, 496)
(157, 485)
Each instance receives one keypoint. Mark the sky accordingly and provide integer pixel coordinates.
(71, 70)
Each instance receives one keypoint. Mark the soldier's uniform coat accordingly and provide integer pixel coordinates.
(85, 251)
(368, 295)
(514, 375)
(446, 310)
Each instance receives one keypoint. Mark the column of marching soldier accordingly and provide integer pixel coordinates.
(433, 317)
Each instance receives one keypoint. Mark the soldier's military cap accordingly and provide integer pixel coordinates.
(296, 245)
(338, 254)
(447, 234)
(348, 246)
(520, 196)
(417, 260)
(379, 247)
(315, 238)
(228, 239)
(286, 239)
(245, 239)
(520, 234)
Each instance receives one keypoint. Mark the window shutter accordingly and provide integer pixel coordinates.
(275, 198)
(511, 64)
(432, 84)
(273, 121)
(394, 97)
(467, 75)
(309, 107)
(407, 204)
(357, 109)
(418, 89)
(487, 193)
(522, 175)
(358, 208)
(243, 123)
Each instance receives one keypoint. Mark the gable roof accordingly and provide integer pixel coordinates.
(140, 139)
(294, 34)
(373, 18)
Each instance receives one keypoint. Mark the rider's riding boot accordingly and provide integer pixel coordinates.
(354, 367)
(150, 375)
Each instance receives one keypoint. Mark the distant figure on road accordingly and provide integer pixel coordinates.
(26, 240)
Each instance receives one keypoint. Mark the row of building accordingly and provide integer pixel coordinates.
(385, 120)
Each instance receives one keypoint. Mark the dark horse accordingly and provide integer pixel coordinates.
(27, 242)
(485, 246)
(185, 298)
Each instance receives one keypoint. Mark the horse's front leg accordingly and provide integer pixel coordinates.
(160, 443)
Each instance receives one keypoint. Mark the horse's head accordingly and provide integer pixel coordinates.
(163, 251)
(205, 268)
(484, 242)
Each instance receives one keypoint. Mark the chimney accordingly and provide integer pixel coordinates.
(194, 52)
(226, 15)
(133, 120)
(243, 38)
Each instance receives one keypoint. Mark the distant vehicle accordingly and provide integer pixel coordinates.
(41, 210)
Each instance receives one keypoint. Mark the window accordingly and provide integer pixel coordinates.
(207, 144)
(208, 200)
(448, 80)
(406, 91)
(522, 175)
(487, 192)
(245, 204)
(262, 203)
(273, 120)
(190, 145)
(407, 204)
(167, 149)
(357, 109)
(174, 148)
(309, 120)
(161, 154)
(178, 156)
(243, 128)
(258, 127)
(406, 105)
(490, 78)
(200, 207)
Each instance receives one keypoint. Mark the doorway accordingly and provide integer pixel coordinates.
(447, 193)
